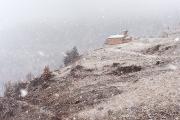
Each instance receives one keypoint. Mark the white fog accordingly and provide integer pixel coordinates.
(35, 33)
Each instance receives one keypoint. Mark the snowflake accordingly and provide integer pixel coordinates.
(41, 53)
(177, 39)
(23, 92)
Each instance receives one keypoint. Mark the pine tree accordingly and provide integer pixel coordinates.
(71, 56)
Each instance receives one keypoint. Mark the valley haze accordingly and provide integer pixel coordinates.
(37, 33)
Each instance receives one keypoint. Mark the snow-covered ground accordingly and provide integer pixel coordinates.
(135, 80)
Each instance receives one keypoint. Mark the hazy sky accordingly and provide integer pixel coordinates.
(30, 27)
(17, 11)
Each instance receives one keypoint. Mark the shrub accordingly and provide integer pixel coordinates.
(29, 76)
(71, 56)
(46, 73)
(8, 89)
(12, 90)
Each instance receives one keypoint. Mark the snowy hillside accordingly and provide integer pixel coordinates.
(132, 81)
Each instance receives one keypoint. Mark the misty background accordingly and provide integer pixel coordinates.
(35, 33)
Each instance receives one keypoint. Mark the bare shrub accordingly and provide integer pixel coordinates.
(8, 89)
(29, 76)
(127, 69)
(12, 90)
(71, 56)
(46, 73)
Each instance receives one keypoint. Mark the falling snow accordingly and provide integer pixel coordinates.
(23, 92)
